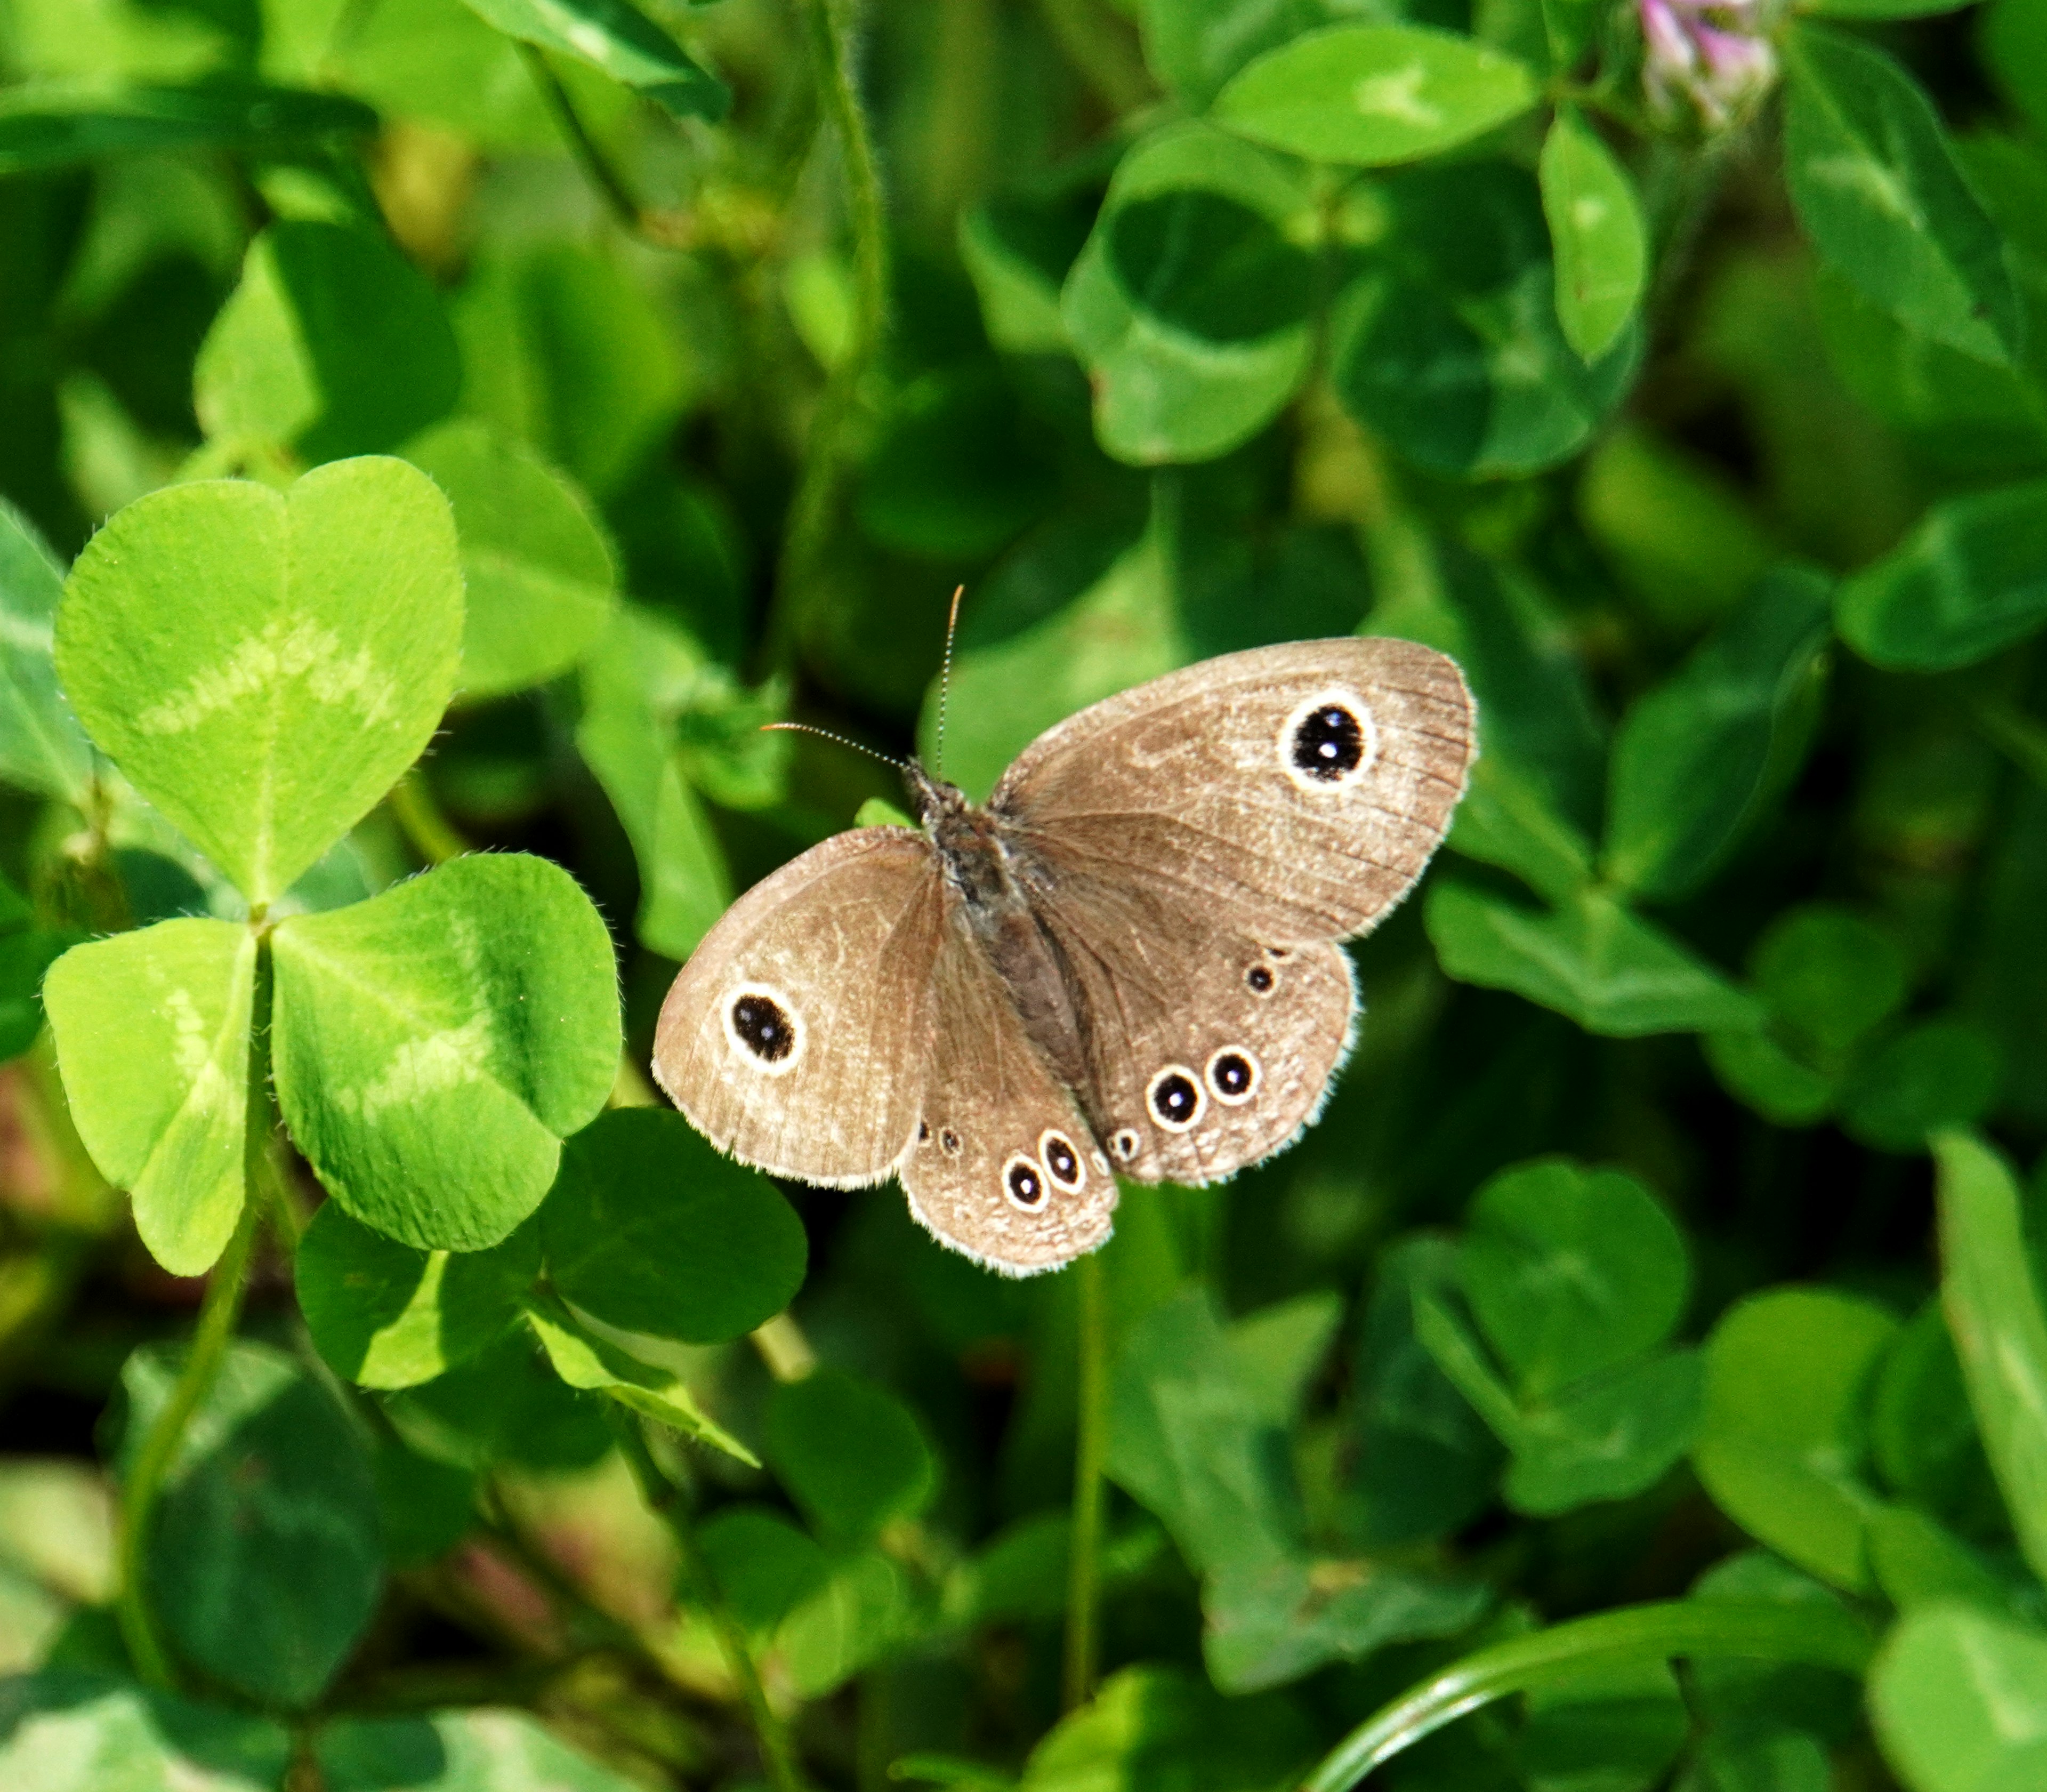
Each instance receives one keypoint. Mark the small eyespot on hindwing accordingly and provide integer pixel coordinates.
(1175, 1099)
(1232, 1075)
(1024, 1183)
(1062, 1164)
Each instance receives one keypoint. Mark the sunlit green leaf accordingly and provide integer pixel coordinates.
(1939, 1073)
(620, 40)
(1369, 94)
(435, 1045)
(1876, 188)
(634, 686)
(539, 584)
(1268, 1623)
(1971, 579)
(1186, 1441)
(1788, 1375)
(586, 1359)
(1596, 232)
(265, 1561)
(67, 1731)
(56, 123)
(386, 1315)
(851, 1455)
(476, 1750)
(1993, 1306)
(42, 748)
(332, 344)
(1699, 757)
(312, 652)
(1163, 393)
(1449, 346)
(152, 1033)
(1959, 1700)
(1590, 959)
(1570, 1272)
(650, 1228)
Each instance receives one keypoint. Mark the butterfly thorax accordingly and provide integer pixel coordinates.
(989, 871)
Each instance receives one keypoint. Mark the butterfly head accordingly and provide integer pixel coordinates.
(936, 802)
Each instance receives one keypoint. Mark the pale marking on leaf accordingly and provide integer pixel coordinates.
(1588, 212)
(1856, 174)
(1398, 96)
(193, 1053)
(33, 634)
(2017, 1368)
(423, 1067)
(294, 650)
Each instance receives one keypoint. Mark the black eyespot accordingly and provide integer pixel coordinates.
(1233, 1075)
(1026, 1186)
(950, 1141)
(1260, 980)
(1063, 1162)
(923, 1132)
(761, 1025)
(1175, 1098)
(1125, 1145)
(1328, 743)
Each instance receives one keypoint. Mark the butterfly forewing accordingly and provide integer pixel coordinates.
(1003, 1166)
(795, 1037)
(1304, 784)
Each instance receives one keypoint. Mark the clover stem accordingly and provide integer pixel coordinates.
(1084, 1558)
(663, 1497)
(828, 31)
(142, 1485)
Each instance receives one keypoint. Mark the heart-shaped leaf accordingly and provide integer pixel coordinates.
(539, 584)
(652, 1229)
(261, 666)
(435, 1045)
(386, 1315)
(153, 1033)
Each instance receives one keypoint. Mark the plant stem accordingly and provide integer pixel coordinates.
(828, 452)
(1084, 1549)
(433, 836)
(1817, 1635)
(778, 1755)
(143, 1484)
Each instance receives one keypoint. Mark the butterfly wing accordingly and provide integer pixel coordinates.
(1200, 845)
(1304, 786)
(794, 1036)
(1003, 1168)
(1209, 1047)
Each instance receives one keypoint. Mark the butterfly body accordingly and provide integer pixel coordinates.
(1127, 961)
(990, 873)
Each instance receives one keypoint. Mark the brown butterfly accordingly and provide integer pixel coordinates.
(1126, 964)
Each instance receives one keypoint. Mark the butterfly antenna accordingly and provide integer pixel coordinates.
(946, 681)
(826, 734)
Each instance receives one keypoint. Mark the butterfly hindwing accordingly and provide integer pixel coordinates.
(796, 1036)
(1003, 1166)
(1209, 1049)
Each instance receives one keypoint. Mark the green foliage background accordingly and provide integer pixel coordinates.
(435, 435)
